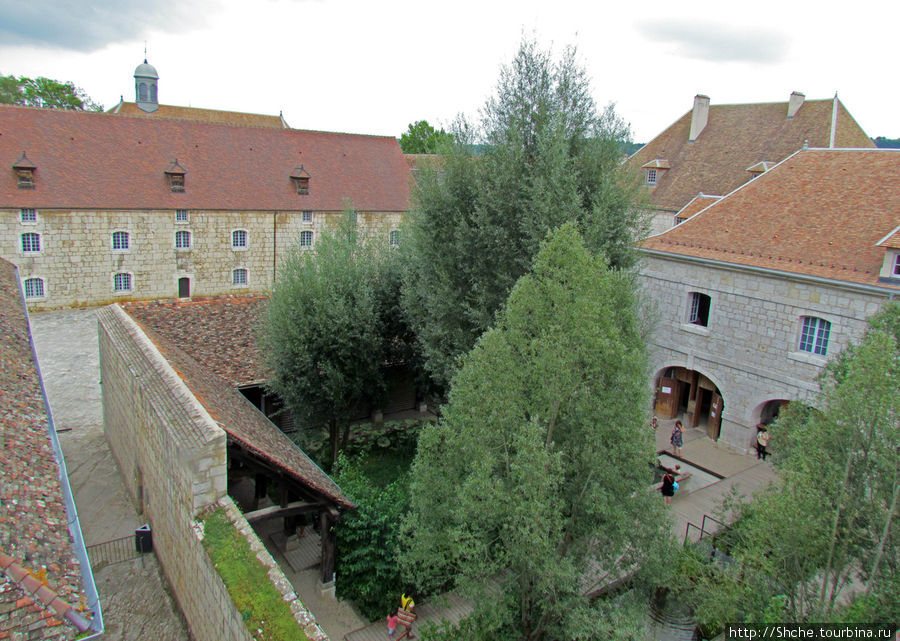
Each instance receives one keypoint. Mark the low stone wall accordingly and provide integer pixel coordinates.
(173, 458)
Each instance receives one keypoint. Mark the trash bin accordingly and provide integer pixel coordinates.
(143, 539)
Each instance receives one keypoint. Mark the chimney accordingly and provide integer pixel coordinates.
(795, 103)
(699, 116)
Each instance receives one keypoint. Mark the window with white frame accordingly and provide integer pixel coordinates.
(307, 216)
(651, 176)
(182, 240)
(814, 335)
(120, 240)
(306, 239)
(239, 239)
(897, 265)
(181, 215)
(394, 237)
(239, 276)
(122, 282)
(31, 242)
(699, 311)
(34, 287)
(28, 215)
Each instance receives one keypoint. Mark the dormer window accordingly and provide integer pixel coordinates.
(897, 266)
(300, 178)
(760, 168)
(651, 176)
(654, 171)
(24, 169)
(890, 266)
(175, 175)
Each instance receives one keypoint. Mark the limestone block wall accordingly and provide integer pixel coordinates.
(750, 348)
(78, 262)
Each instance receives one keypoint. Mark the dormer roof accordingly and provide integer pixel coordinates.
(656, 163)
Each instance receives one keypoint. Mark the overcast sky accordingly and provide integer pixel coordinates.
(374, 67)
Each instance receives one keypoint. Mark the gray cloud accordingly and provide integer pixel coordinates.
(718, 42)
(90, 25)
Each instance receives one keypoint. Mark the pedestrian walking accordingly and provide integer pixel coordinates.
(406, 616)
(762, 441)
(392, 621)
(654, 424)
(669, 485)
(677, 438)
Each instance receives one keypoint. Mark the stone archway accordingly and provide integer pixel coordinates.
(691, 396)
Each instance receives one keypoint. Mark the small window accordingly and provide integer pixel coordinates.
(395, 238)
(814, 335)
(120, 240)
(122, 282)
(182, 240)
(897, 265)
(142, 92)
(176, 182)
(181, 215)
(239, 277)
(34, 288)
(31, 242)
(300, 178)
(28, 215)
(651, 176)
(306, 239)
(699, 314)
(239, 239)
(307, 216)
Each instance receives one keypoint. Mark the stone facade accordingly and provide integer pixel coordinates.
(173, 458)
(749, 348)
(77, 262)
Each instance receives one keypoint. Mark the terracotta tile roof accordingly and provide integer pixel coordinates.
(88, 160)
(246, 425)
(235, 118)
(820, 212)
(737, 137)
(698, 203)
(34, 524)
(892, 240)
(219, 332)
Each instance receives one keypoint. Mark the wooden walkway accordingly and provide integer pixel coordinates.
(448, 607)
(307, 554)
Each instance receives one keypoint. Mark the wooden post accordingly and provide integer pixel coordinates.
(328, 518)
(259, 490)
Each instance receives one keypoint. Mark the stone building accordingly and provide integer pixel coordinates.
(46, 586)
(713, 149)
(102, 207)
(760, 288)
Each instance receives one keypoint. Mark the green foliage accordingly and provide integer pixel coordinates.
(45, 92)
(266, 615)
(422, 138)
(332, 330)
(538, 468)
(477, 221)
(368, 540)
(886, 143)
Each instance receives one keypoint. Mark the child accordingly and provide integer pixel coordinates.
(392, 623)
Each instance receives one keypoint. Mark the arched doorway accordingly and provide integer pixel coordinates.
(770, 410)
(688, 394)
(184, 287)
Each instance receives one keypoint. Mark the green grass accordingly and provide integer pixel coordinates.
(267, 616)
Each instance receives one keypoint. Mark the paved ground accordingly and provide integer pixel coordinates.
(134, 598)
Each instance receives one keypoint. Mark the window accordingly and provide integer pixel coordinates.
(181, 215)
(651, 176)
(34, 287)
(142, 92)
(122, 282)
(300, 178)
(28, 215)
(31, 242)
(395, 238)
(239, 277)
(699, 309)
(176, 182)
(182, 240)
(897, 265)
(239, 239)
(814, 335)
(120, 240)
(306, 239)
(307, 216)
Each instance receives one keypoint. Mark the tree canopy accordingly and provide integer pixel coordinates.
(45, 92)
(536, 477)
(477, 221)
(422, 138)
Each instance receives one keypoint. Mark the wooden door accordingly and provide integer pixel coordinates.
(715, 417)
(184, 288)
(667, 398)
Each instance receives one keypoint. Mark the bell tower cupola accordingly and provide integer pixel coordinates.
(145, 87)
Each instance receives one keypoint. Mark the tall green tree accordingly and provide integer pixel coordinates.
(45, 92)
(331, 330)
(534, 484)
(422, 138)
(477, 221)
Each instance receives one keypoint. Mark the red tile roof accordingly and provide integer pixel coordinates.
(699, 203)
(235, 118)
(34, 523)
(737, 137)
(820, 212)
(88, 160)
(892, 240)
